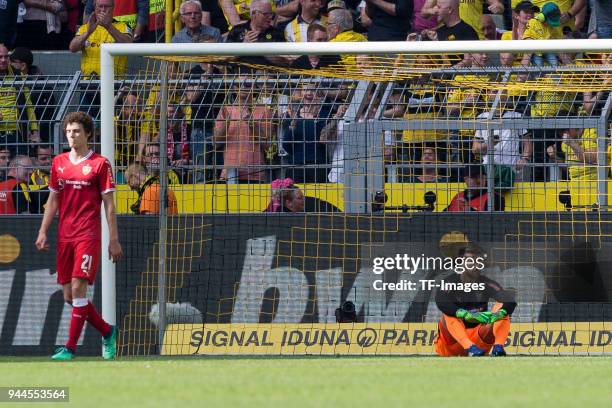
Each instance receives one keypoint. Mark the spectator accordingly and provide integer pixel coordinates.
(601, 14)
(100, 29)
(466, 102)
(593, 102)
(390, 19)
(22, 61)
(151, 161)
(453, 28)
(544, 26)
(134, 13)
(212, 15)
(310, 12)
(522, 13)
(42, 97)
(149, 131)
(150, 120)
(315, 33)
(15, 197)
(579, 152)
(260, 26)
(259, 29)
(41, 28)
(191, 17)
(17, 115)
(285, 197)
(301, 134)
(418, 99)
(8, 22)
(239, 11)
(243, 131)
(475, 197)
(490, 32)
(38, 188)
(178, 143)
(428, 167)
(550, 102)
(579, 146)
(489, 29)
(152, 156)
(420, 22)
(5, 158)
(178, 136)
(205, 98)
(340, 28)
(333, 134)
(149, 191)
(469, 12)
(512, 147)
(128, 123)
(44, 159)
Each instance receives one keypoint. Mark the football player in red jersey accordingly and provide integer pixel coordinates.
(80, 181)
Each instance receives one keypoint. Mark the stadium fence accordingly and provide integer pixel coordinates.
(223, 278)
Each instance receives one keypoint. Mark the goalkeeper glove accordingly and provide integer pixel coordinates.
(477, 317)
(499, 315)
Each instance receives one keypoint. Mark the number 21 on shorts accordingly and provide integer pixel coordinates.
(86, 264)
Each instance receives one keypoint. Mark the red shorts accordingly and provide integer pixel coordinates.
(79, 259)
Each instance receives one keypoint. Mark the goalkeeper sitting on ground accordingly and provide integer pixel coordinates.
(467, 328)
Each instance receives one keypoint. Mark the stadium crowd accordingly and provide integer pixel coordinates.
(234, 133)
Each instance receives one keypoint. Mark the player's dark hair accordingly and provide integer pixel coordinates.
(84, 119)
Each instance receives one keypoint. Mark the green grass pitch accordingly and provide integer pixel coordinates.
(322, 382)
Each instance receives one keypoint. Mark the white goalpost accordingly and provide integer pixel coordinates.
(108, 52)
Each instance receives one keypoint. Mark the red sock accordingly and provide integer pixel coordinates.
(79, 316)
(96, 321)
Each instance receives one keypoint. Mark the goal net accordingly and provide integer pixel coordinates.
(319, 198)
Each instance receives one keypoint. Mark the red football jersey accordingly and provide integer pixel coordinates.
(80, 187)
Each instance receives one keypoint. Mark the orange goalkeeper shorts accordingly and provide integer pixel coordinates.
(446, 346)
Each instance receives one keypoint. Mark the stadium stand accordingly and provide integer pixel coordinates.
(299, 142)
(502, 137)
